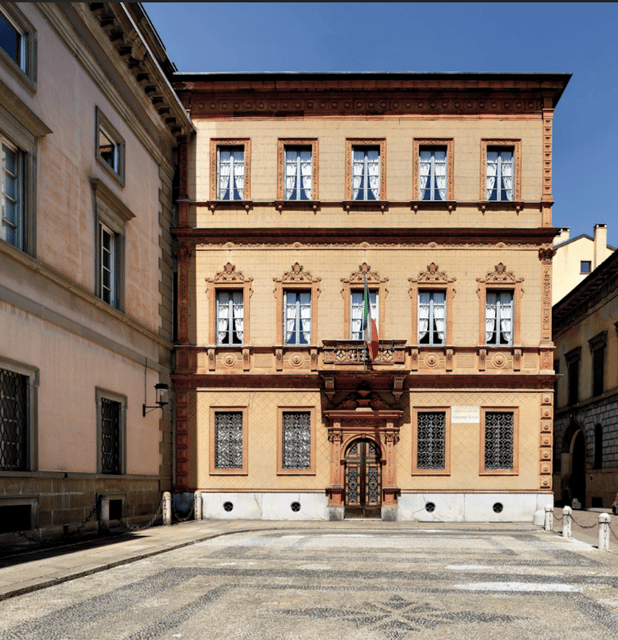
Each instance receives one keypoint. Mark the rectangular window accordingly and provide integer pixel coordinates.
(500, 173)
(230, 173)
(499, 317)
(296, 440)
(109, 146)
(12, 196)
(298, 173)
(432, 173)
(111, 420)
(297, 317)
(365, 173)
(598, 366)
(12, 41)
(357, 300)
(432, 317)
(573, 381)
(431, 440)
(108, 264)
(499, 440)
(14, 421)
(228, 440)
(585, 266)
(230, 317)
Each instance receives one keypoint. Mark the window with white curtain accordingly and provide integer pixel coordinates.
(357, 300)
(297, 317)
(298, 173)
(500, 169)
(365, 173)
(431, 317)
(108, 252)
(432, 173)
(230, 317)
(230, 173)
(12, 228)
(499, 317)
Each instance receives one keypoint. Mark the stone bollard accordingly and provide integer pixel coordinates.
(604, 531)
(197, 505)
(167, 508)
(103, 515)
(549, 518)
(566, 521)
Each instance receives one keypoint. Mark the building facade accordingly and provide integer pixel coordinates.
(576, 258)
(586, 425)
(88, 127)
(435, 190)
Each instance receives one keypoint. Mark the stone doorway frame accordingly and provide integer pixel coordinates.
(382, 427)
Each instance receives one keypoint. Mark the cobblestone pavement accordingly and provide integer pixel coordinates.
(368, 582)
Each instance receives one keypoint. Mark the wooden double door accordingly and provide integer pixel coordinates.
(363, 480)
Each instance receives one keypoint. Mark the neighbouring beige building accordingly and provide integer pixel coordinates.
(576, 258)
(88, 129)
(586, 423)
(433, 188)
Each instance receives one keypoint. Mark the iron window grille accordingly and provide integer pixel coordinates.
(499, 438)
(110, 436)
(14, 421)
(296, 440)
(431, 440)
(228, 440)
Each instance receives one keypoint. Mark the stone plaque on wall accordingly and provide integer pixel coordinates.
(466, 415)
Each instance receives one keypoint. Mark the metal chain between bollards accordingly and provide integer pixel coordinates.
(129, 527)
(177, 515)
(584, 526)
(609, 526)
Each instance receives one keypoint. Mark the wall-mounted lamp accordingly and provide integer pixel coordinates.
(162, 391)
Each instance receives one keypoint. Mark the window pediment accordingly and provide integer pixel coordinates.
(229, 275)
(358, 277)
(500, 275)
(433, 275)
(297, 276)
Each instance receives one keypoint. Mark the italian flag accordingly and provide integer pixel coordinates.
(370, 330)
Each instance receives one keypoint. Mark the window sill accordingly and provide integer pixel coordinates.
(365, 205)
(494, 205)
(302, 205)
(430, 472)
(110, 171)
(432, 205)
(213, 205)
(18, 72)
(498, 472)
(295, 472)
(228, 472)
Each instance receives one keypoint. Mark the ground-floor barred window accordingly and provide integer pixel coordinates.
(110, 436)
(431, 439)
(296, 440)
(13, 421)
(499, 426)
(228, 440)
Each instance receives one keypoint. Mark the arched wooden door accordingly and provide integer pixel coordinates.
(363, 480)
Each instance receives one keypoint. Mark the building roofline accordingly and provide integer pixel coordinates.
(425, 75)
(579, 237)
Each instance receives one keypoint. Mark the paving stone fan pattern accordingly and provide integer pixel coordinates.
(338, 584)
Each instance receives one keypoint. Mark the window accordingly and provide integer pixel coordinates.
(109, 269)
(111, 217)
(357, 311)
(499, 317)
(230, 173)
(297, 306)
(296, 441)
(12, 196)
(598, 446)
(597, 348)
(109, 146)
(18, 44)
(431, 442)
(500, 170)
(14, 421)
(111, 418)
(228, 441)
(573, 358)
(230, 317)
(365, 173)
(298, 173)
(431, 317)
(432, 173)
(499, 450)
(585, 266)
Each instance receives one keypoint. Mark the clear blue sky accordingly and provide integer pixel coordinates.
(579, 38)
